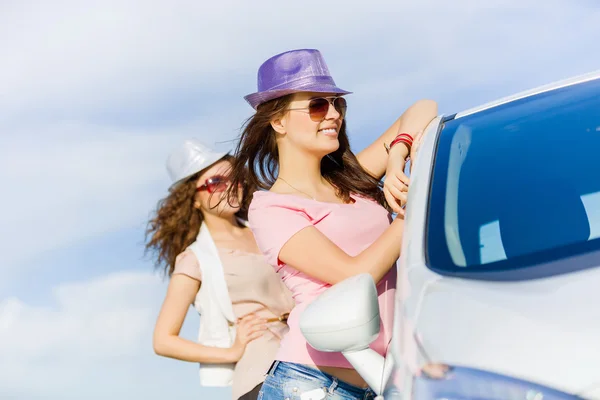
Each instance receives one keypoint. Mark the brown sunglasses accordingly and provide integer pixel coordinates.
(318, 108)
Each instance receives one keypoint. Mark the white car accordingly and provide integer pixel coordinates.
(498, 277)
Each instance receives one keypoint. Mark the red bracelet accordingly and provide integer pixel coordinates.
(401, 138)
(407, 136)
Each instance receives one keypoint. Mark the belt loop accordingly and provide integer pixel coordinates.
(272, 368)
(333, 386)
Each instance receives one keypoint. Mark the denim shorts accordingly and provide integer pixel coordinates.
(290, 381)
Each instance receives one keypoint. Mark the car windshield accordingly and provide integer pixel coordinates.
(518, 184)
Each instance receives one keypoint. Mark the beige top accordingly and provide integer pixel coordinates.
(254, 287)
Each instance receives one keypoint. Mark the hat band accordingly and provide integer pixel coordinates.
(299, 83)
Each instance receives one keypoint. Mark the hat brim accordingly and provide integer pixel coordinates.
(209, 163)
(256, 99)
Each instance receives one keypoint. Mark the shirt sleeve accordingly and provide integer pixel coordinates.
(187, 264)
(273, 226)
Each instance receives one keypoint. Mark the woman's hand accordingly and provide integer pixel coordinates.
(249, 327)
(395, 184)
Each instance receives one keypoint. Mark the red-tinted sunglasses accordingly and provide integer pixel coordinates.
(319, 107)
(217, 183)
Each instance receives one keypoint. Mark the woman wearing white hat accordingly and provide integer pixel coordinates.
(203, 243)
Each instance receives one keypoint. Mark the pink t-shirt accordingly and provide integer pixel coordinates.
(274, 218)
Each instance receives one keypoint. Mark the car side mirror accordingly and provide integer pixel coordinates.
(345, 318)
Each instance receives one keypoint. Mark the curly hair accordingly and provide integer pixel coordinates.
(257, 159)
(177, 222)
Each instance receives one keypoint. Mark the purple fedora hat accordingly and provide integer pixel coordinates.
(290, 72)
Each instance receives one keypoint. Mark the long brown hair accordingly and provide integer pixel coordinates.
(177, 222)
(257, 158)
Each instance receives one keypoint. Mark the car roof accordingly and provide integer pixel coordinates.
(541, 89)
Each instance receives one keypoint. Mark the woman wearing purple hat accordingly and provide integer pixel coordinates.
(321, 216)
(203, 243)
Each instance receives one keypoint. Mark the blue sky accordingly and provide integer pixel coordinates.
(94, 97)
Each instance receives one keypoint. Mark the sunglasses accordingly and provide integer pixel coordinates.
(318, 108)
(217, 183)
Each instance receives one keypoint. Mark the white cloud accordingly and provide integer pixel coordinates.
(92, 320)
(114, 53)
(72, 57)
(95, 340)
(104, 320)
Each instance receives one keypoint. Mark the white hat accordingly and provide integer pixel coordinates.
(191, 157)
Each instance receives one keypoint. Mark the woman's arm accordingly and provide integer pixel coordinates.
(374, 158)
(181, 293)
(327, 262)
(377, 161)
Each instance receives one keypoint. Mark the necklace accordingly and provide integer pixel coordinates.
(298, 190)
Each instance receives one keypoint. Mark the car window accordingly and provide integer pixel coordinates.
(518, 184)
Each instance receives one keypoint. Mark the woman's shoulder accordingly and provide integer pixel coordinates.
(280, 204)
(186, 263)
(267, 199)
(186, 257)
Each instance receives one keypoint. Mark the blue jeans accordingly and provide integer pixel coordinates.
(289, 381)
